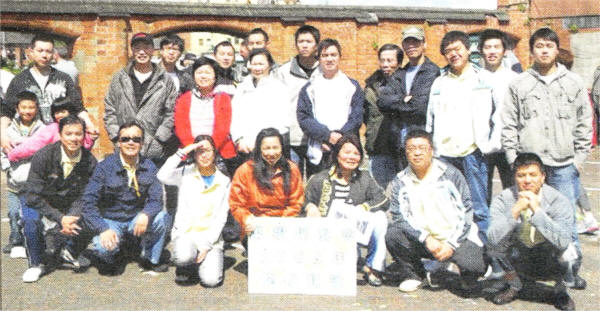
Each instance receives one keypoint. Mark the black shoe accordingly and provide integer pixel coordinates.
(506, 296)
(7, 248)
(580, 283)
(79, 264)
(159, 267)
(186, 275)
(564, 302)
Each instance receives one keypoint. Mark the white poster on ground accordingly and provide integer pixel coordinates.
(314, 256)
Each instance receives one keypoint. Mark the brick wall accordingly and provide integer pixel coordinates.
(101, 43)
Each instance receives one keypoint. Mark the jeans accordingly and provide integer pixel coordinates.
(210, 269)
(37, 234)
(384, 168)
(376, 249)
(474, 168)
(14, 216)
(152, 241)
(565, 179)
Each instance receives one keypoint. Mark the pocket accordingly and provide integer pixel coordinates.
(529, 105)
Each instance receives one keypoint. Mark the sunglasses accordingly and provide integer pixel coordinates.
(125, 139)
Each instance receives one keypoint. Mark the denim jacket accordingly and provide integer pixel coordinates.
(108, 194)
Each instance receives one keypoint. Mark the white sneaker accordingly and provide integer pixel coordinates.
(18, 252)
(33, 274)
(409, 285)
(590, 223)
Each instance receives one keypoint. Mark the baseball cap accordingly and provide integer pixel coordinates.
(413, 32)
(142, 37)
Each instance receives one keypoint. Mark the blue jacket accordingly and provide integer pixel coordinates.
(108, 195)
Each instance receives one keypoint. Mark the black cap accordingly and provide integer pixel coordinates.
(142, 37)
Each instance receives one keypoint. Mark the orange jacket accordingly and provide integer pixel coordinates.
(247, 197)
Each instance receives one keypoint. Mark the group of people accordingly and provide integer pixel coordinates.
(201, 152)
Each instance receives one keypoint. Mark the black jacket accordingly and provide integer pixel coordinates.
(59, 85)
(391, 97)
(378, 125)
(47, 190)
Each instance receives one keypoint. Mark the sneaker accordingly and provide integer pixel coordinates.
(432, 280)
(79, 264)
(33, 274)
(18, 252)
(409, 285)
(374, 279)
(146, 265)
(506, 296)
(589, 223)
(579, 283)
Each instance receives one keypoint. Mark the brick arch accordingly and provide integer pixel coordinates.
(65, 35)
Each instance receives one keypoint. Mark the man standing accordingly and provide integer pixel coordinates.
(329, 105)
(65, 65)
(461, 120)
(52, 201)
(125, 197)
(492, 44)
(143, 92)
(432, 218)
(295, 74)
(547, 112)
(228, 75)
(405, 98)
(47, 83)
(384, 161)
(171, 48)
(530, 232)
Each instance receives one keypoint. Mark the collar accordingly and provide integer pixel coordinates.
(64, 158)
(126, 166)
(467, 71)
(199, 94)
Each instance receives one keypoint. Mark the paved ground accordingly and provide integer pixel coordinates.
(132, 290)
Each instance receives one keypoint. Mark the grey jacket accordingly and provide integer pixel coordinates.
(552, 120)
(154, 113)
(554, 220)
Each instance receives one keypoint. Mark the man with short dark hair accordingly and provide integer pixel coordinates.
(295, 74)
(462, 119)
(228, 76)
(530, 232)
(171, 48)
(432, 218)
(492, 45)
(546, 112)
(329, 105)
(405, 98)
(47, 83)
(52, 202)
(124, 197)
(144, 92)
(384, 161)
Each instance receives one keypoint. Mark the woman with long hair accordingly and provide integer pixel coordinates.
(260, 101)
(344, 191)
(202, 111)
(202, 208)
(267, 185)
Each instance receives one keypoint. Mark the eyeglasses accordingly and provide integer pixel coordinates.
(421, 148)
(125, 139)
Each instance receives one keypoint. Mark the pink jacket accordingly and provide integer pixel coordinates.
(42, 137)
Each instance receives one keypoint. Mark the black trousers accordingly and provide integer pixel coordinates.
(408, 252)
(540, 262)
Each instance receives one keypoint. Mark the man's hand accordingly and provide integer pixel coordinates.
(69, 225)
(534, 199)
(201, 255)
(521, 205)
(109, 239)
(249, 224)
(444, 253)
(141, 224)
(433, 245)
(334, 137)
(312, 211)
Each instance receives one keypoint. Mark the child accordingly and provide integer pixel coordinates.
(22, 126)
(48, 135)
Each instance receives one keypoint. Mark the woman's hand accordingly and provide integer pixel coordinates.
(312, 210)
(249, 224)
(189, 148)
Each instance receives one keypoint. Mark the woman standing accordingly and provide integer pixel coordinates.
(201, 111)
(267, 185)
(260, 102)
(201, 211)
(347, 191)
